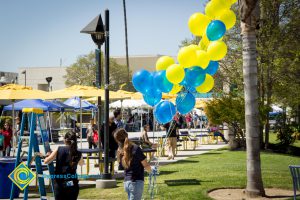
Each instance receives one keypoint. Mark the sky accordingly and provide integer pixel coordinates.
(40, 33)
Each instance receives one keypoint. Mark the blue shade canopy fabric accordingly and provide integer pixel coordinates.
(33, 103)
(63, 107)
(75, 102)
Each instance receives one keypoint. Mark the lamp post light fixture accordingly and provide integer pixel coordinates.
(48, 79)
(96, 29)
(24, 72)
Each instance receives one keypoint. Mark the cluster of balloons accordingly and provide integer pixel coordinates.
(196, 64)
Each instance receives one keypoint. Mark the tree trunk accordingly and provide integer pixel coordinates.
(254, 180)
(269, 95)
(249, 10)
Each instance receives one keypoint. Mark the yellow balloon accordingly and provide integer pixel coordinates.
(164, 62)
(198, 23)
(176, 88)
(228, 18)
(196, 47)
(217, 50)
(202, 59)
(204, 42)
(232, 1)
(187, 56)
(207, 85)
(175, 73)
(214, 8)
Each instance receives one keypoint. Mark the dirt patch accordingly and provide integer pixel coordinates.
(239, 194)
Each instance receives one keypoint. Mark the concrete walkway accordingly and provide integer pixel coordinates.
(181, 155)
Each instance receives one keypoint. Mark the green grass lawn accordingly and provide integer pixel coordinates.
(193, 177)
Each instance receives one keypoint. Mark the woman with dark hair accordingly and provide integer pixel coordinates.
(134, 162)
(67, 158)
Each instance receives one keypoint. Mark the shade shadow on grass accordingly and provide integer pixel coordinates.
(166, 172)
(180, 182)
(211, 153)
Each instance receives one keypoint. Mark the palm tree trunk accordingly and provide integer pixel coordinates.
(254, 180)
(250, 15)
(126, 43)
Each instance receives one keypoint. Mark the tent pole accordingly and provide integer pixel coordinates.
(141, 120)
(50, 131)
(80, 123)
(13, 127)
(153, 126)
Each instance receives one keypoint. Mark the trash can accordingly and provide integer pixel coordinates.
(7, 165)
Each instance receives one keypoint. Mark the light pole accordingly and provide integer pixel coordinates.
(24, 72)
(48, 79)
(96, 29)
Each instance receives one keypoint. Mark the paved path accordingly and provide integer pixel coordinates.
(182, 154)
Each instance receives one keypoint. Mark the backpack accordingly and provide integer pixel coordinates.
(1, 141)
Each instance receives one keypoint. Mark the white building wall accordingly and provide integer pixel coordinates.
(37, 75)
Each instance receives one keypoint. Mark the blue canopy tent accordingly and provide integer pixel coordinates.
(76, 101)
(33, 103)
(63, 107)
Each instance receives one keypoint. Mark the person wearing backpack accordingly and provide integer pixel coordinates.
(67, 158)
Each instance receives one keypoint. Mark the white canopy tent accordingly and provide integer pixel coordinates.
(129, 103)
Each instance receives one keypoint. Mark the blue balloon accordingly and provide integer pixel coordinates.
(215, 30)
(142, 81)
(161, 82)
(195, 76)
(152, 97)
(183, 82)
(185, 102)
(212, 67)
(164, 112)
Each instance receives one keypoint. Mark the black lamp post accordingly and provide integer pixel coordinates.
(96, 29)
(48, 79)
(24, 72)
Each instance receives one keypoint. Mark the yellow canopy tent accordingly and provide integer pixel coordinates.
(120, 94)
(80, 91)
(14, 92)
(76, 90)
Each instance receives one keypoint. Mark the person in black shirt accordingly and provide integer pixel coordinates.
(67, 158)
(172, 134)
(134, 162)
(113, 145)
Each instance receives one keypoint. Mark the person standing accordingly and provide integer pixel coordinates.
(67, 158)
(118, 118)
(112, 145)
(134, 162)
(7, 133)
(188, 119)
(90, 134)
(195, 120)
(172, 134)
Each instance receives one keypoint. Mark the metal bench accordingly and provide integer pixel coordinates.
(295, 171)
